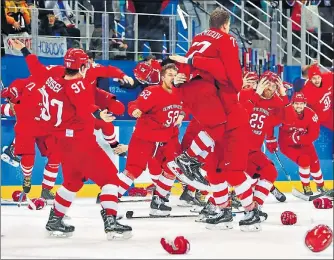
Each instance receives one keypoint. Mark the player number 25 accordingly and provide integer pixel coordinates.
(202, 45)
(256, 121)
(45, 114)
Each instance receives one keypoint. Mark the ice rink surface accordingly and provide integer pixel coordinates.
(26, 237)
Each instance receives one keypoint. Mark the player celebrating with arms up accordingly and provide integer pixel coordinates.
(69, 107)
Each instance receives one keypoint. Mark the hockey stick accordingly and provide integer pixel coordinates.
(30, 203)
(296, 192)
(129, 215)
(128, 201)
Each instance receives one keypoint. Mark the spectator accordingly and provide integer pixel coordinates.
(18, 16)
(53, 27)
(101, 6)
(150, 27)
(254, 22)
(299, 83)
(118, 47)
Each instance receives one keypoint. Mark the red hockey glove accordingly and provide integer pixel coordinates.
(272, 145)
(38, 204)
(323, 203)
(288, 218)
(179, 246)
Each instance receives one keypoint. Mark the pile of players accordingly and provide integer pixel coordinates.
(232, 115)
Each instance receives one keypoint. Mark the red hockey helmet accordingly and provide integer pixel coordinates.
(75, 58)
(146, 74)
(298, 97)
(251, 75)
(319, 238)
(269, 75)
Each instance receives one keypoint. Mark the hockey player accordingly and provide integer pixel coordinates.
(70, 118)
(28, 131)
(300, 128)
(157, 109)
(318, 91)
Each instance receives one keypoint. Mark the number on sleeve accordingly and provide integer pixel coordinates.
(204, 45)
(77, 87)
(145, 94)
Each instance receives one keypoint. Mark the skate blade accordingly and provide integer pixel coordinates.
(196, 209)
(220, 226)
(159, 213)
(49, 202)
(201, 219)
(119, 236)
(7, 159)
(59, 234)
(251, 228)
(66, 217)
(184, 204)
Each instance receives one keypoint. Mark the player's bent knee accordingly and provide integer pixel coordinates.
(304, 161)
(74, 185)
(269, 173)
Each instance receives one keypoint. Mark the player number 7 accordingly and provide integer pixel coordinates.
(204, 44)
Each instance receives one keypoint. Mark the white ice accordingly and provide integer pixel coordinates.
(26, 237)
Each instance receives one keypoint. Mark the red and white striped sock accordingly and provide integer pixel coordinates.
(109, 199)
(304, 174)
(27, 164)
(6, 111)
(220, 194)
(318, 178)
(109, 134)
(262, 190)
(164, 184)
(201, 146)
(50, 175)
(125, 183)
(63, 201)
(244, 192)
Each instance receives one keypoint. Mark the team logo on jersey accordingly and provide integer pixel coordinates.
(326, 100)
(315, 118)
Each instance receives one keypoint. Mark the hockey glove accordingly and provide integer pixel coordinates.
(322, 203)
(288, 218)
(179, 246)
(271, 144)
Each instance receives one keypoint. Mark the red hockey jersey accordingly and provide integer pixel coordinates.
(160, 110)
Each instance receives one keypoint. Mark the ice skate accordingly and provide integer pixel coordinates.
(9, 157)
(329, 193)
(222, 220)
(56, 226)
(278, 195)
(186, 199)
(26, 184)
(115, 230)
(251, 221)
(48, 196)
(307, 190)
(199, 202)
(190, 168)
(235, 203)
(263, 215)
(158, 207)
(208, 211)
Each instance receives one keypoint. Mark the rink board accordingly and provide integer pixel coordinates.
(11, 177)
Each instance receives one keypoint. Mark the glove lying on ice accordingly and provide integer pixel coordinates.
(288, 218)
(322, 203)
(179, 246)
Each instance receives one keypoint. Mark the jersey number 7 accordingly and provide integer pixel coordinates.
(45, 114)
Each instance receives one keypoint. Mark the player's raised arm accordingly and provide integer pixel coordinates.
(34, 65)
(108, 72)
